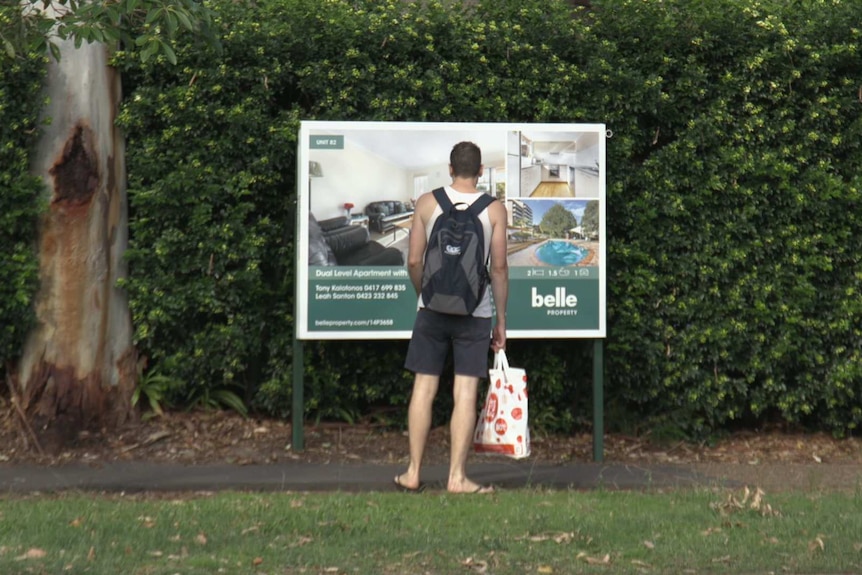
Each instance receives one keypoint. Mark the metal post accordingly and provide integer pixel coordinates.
(298, 400)
(598, 401)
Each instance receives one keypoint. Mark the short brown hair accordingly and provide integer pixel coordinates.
(466, 160)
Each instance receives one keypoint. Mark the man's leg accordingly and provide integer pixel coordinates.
(419, 425)
(461, 434)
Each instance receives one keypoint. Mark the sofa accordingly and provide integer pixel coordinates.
(335, 242)
(382, 216)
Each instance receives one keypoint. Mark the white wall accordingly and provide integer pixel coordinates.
(357, 176)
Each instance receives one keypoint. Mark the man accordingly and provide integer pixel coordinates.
(468, 336)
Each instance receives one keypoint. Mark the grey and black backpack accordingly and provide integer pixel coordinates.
(455, 274)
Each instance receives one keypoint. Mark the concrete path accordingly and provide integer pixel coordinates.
(142, 476)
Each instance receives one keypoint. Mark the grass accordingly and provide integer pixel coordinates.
(511, 532)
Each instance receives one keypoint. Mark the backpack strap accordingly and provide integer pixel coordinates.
(476, 207)
(442, 199)
(480, 204)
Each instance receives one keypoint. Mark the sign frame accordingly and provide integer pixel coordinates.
(351, 154)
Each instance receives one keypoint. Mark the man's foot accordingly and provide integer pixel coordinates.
(403, 487)
(470, 487)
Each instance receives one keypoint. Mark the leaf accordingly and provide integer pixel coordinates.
(606, 560)
(169, 52)
(10, 49)
(33, 553)
(201, 539)
(817, 544)
(257, 561)
(55, 51)
(184, 19)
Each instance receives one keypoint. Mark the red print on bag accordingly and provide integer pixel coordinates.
(517, 413)
(491, 409)
(498, 383)
(500, 426)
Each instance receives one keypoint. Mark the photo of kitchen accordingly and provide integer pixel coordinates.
(552, 164)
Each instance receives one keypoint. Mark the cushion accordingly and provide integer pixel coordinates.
(319, 252)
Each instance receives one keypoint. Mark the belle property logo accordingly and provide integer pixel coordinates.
(558, 303)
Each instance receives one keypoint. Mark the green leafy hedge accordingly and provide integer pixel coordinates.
(20, 200)
(734, 239)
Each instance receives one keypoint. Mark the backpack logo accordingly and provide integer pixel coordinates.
(455, 274)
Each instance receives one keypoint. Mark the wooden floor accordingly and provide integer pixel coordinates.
(553, 190)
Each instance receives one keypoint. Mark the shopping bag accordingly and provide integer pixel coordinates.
(502, 427)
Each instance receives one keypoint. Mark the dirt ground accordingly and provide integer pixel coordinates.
(773, 461)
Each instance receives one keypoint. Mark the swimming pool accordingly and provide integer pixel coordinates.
(560, 253)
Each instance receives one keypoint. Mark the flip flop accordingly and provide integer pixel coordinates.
(485, 489)
(404, 489)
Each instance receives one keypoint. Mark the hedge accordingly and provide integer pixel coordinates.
(733, 174)
(21, 200)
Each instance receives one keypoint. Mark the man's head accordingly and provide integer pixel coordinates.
(465, 161)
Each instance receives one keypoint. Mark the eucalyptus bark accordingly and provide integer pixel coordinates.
(78, 370)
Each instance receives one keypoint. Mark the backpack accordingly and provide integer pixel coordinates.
(455, 274)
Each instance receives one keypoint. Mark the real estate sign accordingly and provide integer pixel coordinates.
(358, 182)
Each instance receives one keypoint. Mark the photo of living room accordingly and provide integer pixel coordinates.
(553, 164)
(362, 191)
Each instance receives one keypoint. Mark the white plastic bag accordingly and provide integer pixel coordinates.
(502, 427)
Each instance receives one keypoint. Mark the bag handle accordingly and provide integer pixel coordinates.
(500, 360)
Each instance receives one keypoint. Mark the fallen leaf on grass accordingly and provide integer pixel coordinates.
(725, 559)
(303, 540)
(606, 560)
(76, 522)
(637, 563)
(91, 554)
(32, 554)
(817, 544)
(710, 531)
(748, 499)
(555, 537)
(649, 544)
(257, 561)
(857, 547)
(201, 539)
(477, 566)
(545, 569)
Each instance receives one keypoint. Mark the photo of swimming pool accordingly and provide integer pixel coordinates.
(561, 253)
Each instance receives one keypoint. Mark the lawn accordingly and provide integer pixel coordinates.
(510, 532)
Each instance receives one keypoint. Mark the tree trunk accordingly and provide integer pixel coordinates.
(78, 370)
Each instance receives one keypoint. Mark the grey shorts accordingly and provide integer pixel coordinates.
(435, 333)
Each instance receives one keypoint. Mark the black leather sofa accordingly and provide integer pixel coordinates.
(382, 216)
(334, 242)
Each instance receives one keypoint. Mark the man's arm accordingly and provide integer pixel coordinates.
(499, 272)
(416, 252)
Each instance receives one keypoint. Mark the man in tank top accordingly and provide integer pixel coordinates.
(469, 337)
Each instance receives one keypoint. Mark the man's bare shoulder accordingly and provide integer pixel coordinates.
(497, 211)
